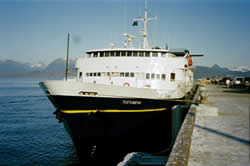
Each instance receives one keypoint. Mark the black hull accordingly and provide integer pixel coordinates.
(99, 126)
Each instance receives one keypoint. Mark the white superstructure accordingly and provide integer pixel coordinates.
(140, 68)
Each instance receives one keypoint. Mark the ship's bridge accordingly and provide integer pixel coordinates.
(129, 52)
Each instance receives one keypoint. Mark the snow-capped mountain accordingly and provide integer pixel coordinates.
(241, 69)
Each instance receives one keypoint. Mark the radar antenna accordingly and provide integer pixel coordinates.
(128, 43)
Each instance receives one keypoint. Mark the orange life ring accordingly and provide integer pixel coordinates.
(190, 62)
(126, 84)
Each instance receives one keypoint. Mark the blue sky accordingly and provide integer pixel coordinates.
(36, 30)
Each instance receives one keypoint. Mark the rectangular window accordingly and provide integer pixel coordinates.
(147, 76)
(95, 74)
(163, 54)
(147, 54)
(117, 53)
(122, 74)
(99, 74)
(80, 75)
(172, 77)
(112, 53)
(152, 76)
(95, 54)
(116, 74)
(135, 53)
(129, 53)
(141, 54)
(157, 76)
(90, 74)
(106, 54)
(163, 77)
(101, 54)
(154, 54)
(126, 74)
(103, 74)
(140, 76)
(132, 74)
(123, 53)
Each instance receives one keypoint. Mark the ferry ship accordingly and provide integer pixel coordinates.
(122, 98)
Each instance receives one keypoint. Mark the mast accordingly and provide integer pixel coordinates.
(67, 60)
(144, 29)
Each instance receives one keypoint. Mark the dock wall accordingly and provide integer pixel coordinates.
(180, 152)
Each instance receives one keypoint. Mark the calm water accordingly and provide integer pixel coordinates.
(29, 132)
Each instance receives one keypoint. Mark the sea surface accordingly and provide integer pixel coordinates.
(29, 132)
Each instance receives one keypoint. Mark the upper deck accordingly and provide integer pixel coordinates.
(137, 52)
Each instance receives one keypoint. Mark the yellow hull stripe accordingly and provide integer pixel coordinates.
(110, 111)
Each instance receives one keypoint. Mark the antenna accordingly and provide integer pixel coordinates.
(129, 41)
(144, 29)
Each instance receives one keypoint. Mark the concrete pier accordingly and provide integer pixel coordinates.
(221, 129)
(215, 133)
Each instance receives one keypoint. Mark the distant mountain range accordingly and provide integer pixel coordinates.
(216, 70)
(56, 69)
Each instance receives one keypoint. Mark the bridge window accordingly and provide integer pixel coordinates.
(95, 54)
(129, 53)
(112, 53)
(117, 53)
(163, 54)
(141, 53)
(106, 54)
(154, 54)
(123, 53)
(134, 53)
(126, 53)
